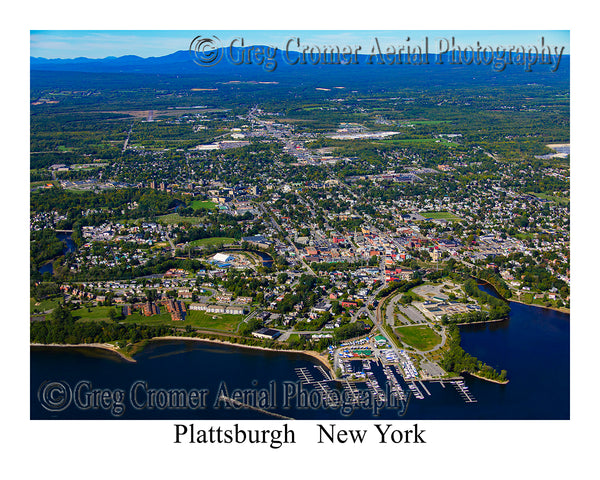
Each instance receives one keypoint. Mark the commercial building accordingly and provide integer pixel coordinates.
(267, 333)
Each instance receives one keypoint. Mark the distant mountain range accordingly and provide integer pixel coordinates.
(280, 64)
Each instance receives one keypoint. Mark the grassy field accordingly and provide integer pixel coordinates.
(419, 336)
(424, 122)
(43, 183)
(48, 304)
(196, 204)
(97, 314)
(564, 201)
(175, 218)
(194, 318)
(213, 241)
(525, 236)
(415, 141)
(440, 215)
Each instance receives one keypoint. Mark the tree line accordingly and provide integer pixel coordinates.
(457, 360)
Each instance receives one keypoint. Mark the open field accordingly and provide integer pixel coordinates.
(175, 218)
(544, 196)
(169, 112)
(42, 183)
(96, 314)
(213, 241)
(525, 236)
(194, 318)
(196, 204)
(404, 142)
(44, 305)
(424, 122)
(420, 337)
(440, 215)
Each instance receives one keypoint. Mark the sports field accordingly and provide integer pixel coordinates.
(420, 337)
(440, 215)
(207, 204)
(213, 241)
(175, 218)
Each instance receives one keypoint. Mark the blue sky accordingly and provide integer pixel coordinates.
(150, 43)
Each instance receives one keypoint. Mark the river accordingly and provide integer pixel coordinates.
(532, 345)
(69, 247)
(266, 259)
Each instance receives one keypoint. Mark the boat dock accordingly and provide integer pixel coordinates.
(354, 393)
(305, 376)
(323, 372)
(463, 390)
(374, 386)
(394, 384)
(415, 390)
(425, 388)
(332, 399)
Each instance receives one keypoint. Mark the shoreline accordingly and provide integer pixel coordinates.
(481, 322)
(102, 346)
(310, 353)
(499, 382)
(109, 347)
(566, 311)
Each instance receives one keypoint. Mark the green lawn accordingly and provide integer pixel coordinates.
(424, 122)
(97, 314)
(213, 321)
(195, 318)
(213, 241)
(175, 218)
(43, 182)
(48, 304)
(524, 236)
(440, 215)
(544, 196)
(419, 336)
(196, 204)
(414, 141)
(526, 297)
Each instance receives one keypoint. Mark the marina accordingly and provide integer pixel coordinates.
(463, 390)
(415, 390)
(532, 341)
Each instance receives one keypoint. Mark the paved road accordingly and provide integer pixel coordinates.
(279, 229)
(127, 139)
(171, 243)
(442, 333)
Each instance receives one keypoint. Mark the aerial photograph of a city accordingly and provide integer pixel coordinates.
(308, 225)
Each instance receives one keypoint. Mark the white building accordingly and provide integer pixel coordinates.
(222, 257)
